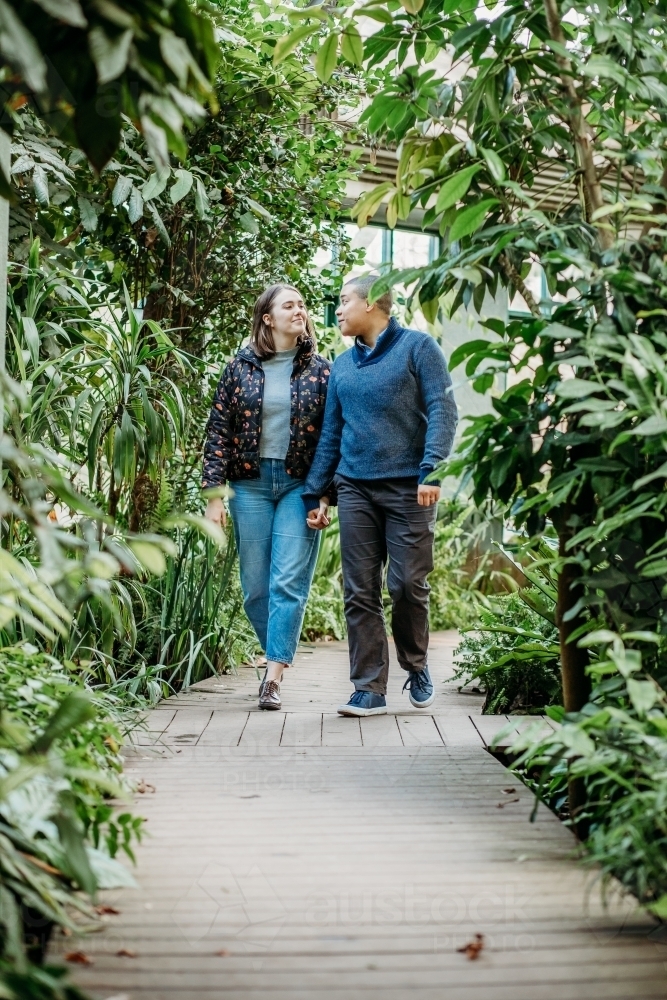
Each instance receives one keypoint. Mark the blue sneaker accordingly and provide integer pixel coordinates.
(420, 688)
(365, 703)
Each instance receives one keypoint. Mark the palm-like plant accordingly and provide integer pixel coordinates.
(137, 414)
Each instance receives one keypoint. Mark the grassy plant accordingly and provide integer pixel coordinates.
(616, 746)
(194, 625)
(514, 652)
(324, 611)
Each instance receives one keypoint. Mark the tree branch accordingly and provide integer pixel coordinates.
(517, 281)
(577, 122)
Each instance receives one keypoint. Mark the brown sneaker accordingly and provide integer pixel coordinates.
(269, 696)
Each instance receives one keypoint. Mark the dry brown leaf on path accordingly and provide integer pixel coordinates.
(126, 953)
(223, 952)
(102, 909)
(472, 949)
(78, 958)
(144, 786)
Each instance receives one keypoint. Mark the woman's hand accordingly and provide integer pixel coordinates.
(317, 518)
(215, 511)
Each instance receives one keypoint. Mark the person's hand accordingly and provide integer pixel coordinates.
(215, 511)
(317, 518)
(427, 495)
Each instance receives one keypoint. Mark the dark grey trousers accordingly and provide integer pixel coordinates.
(380, 519)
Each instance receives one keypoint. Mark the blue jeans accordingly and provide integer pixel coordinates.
(277, 556)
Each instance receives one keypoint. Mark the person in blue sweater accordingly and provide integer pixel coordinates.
(389, 421)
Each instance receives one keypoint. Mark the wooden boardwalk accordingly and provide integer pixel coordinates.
(299, 855)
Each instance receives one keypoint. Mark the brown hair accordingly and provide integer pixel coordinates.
(261, 338)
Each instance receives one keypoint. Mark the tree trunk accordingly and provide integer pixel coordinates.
(573, 660)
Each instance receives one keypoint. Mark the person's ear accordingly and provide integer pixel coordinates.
(266, 320)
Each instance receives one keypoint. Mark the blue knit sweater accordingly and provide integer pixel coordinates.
(390, 413)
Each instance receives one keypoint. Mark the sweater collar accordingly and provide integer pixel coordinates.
(385, 342)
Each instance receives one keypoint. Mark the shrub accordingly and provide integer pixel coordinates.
(514, 652)
(616, 746)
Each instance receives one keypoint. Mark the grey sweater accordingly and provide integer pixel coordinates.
(390, 413)
(274, 437)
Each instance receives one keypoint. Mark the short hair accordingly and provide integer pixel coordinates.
(362, 287)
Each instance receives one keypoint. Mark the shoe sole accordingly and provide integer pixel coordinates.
(422, 704)
(351, 710)
(270, 708)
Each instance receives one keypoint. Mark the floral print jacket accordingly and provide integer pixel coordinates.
(231, 450)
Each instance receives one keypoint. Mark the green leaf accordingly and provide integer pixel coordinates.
(288, 43)
(74, 850)
(202, 524)
(455, 188)
(150, 555)
(576, 388)
(67, 11)
(155, 185)
(643, 695)
(659, 908)
(369, 203)
(40, 183)
(352, 47)
(21, 50)
(202, 205)
(76, 709)
(31, 334)
(470, 219)
(494, 163)
(184, 181)
(327, 57)
(135, 206)
(412, 6)
(87, 213)
(249, 223)
(121, 191)
(110, 54)
(652, 426)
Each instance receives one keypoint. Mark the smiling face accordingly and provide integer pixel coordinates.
(287, 316)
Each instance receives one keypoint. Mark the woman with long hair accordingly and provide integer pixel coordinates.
(261, 437)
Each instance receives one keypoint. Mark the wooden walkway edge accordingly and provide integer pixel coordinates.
(303, 856)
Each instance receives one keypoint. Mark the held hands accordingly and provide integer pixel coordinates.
(427, 495)
(215, 511)
(317, 518)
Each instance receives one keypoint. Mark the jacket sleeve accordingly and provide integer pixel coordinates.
(218, 434)
(319, 480)
(441, 413)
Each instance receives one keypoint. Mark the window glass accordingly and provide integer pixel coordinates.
(411, 249)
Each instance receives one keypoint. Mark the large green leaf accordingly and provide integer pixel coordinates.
(289, 42)
(470, 219)
(327, 57)
(184, 181)
(455, 188)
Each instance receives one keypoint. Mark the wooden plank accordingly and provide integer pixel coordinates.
(419, 731)
(380, 731)
(268, 901)
(157, 720)
(187, 726)
(488, 727)
(263, 729)
(302, 730)
(457, 729)
(340, 731)
(224, 729)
